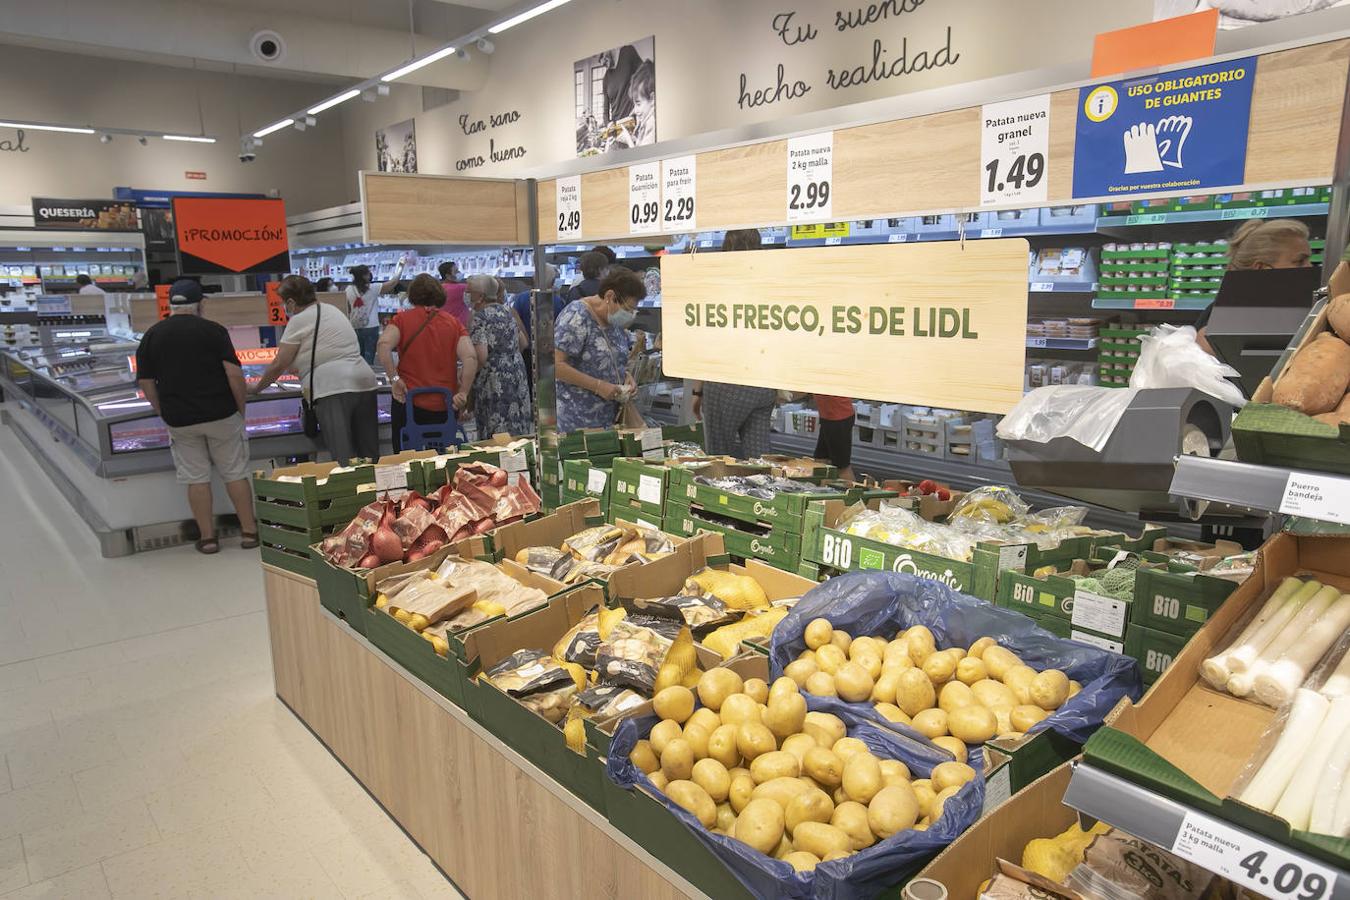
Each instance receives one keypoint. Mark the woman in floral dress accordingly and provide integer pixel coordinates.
(501, 392)
(590, 354)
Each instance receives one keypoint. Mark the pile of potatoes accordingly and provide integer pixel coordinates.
(955, 697)
(751, 763)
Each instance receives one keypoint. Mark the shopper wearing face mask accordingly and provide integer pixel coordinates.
(501, 393)
(1263, 244)
(591, 352)
(363, 305)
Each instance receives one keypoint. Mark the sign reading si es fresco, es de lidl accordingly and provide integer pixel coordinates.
(932, 324)
(225, 235)
(1177, 131)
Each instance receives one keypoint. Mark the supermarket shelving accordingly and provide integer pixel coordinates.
(1238, 484)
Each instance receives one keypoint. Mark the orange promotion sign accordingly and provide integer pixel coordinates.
(1162, 43)
(162, 300)
(256, 356)
(228, 235)
(276, 307)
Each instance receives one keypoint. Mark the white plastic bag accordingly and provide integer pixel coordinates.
(1171, 358)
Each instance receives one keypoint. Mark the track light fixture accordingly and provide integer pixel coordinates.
(486, 46)
(105, 138)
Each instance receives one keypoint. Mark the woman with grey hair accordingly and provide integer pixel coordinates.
(501, 393)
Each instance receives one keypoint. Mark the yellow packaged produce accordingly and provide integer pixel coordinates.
(726, 640)
(736, 591)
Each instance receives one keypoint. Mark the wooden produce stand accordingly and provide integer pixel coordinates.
(495, 824)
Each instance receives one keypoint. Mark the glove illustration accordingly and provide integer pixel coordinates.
(1141, 149)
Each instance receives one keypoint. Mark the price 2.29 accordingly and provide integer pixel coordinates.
(644, 213)
(569, 221)
(815, 195)
(1289, 879)
(1023, 172)
(679, 209)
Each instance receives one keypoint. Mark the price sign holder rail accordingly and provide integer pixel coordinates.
(1159, 821)
(1244, 485)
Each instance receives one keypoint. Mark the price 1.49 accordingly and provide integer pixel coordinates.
(1289, 880)
(644, 213)
(569, 221)
(815, 195)
(1024, 172)
(679, 209)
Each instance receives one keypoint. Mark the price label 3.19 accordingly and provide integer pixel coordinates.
(810, 177)
(1266, 868)
(644, 198)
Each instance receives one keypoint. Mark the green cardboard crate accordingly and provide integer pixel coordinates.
(618, 513)
(1177, 602)
(682, 474)
(642, 443)
(1148, 536)
(782, 511)
(1088, 613)
(1154, 650)
(289, 560)
(640, 486)
(307, 503)
(586, 443)
(415, 653)
(774, 546)
(1271, 435)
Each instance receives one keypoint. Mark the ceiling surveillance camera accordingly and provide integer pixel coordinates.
(485, 46)
(142, 140)
(247, 156)
(248, 149)
(105, 138)
(461, 53)
(267, 46)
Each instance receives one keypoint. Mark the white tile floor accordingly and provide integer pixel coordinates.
(142, 751)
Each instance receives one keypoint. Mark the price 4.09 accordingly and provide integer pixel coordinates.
(1024, 172)
(1288, 879)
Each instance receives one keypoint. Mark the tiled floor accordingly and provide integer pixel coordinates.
(142, 752)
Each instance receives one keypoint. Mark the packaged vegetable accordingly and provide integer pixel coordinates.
(632, 654)
(994, 503)
(547, 561)
(736, 591)
(700, 613)
(582, 640)
(1118, 865)
(756, 624)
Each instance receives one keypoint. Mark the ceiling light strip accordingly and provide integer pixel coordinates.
(334, 101)
(526, 16)
(190, 138)
(275, 126)
(63, 128)
(419, 63)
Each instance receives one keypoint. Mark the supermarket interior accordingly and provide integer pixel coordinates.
(427, 428)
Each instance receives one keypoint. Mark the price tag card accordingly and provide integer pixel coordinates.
(649, 489)
(1035, 342)
(162, 300)
(569, 208)
(1015, 151)
(276, 307)
(679, 183)
(1012, 557)
(810, 177)
(1096, 641)
(1323, 497)
(595, 481)
(1042, 287)
(644, 198)
(1265, 867)
(1104, 614)
(650, 439)
(1155, 303)
(391, 480)
(514, 461)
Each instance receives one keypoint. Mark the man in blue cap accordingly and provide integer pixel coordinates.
(187, 368)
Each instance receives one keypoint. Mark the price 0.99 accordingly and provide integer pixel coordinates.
(1289, 880)
(645, 213)
(569, 221)
(1024, 172)
(816, 194)
(679, 209)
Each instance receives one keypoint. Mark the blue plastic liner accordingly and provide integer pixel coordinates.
(863, 874)
(882, 603)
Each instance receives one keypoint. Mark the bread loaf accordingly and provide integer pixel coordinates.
(1338, 316)
(1317, 376)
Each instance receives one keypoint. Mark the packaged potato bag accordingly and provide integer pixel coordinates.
(634, 651)
(538, 681)
(700, 613)
(1119, 865)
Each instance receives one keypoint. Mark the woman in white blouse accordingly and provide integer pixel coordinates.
(363, 305)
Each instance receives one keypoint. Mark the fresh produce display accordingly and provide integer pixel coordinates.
(751, 763)
(458, 594)
(478, 499)
(930, 488)
(596, 552)
(1056, 857)
(1277, 650)
(761, 487)
(1316, 380)
(721, 608)
(954, 696)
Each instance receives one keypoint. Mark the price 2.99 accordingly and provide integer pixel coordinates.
(1289, 879)
(679, 209)
(1024, 172)
(815, 195)
(569, 221)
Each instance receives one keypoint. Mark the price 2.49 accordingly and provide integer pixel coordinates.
(569, 221)
(1024, 172)
(815, 195)
(679, 209)
(1289, 880)
(644, 213)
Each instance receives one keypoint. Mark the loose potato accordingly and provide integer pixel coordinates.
(850, 817)
(737, 709)
(954, 695)
(847, 746)
(715, 685)
(677, 760)
(784, 847)
(810, 806)
(841, 640)
(860, 645)
(939, 667)
(722, 745)
(977, 649)
(970, 670)
(704, 718)
(838, 854)
(675, 702)
(798, 745)
(953, 745)
(741, 790)
(893, 713)
(726, 818)
(754, 739)
(782, 686)
(800, 670)
(658, 780)
(824, 727)
(782, 790)
(931, 723)
(644, 757)
(992, 694)
(935, 809)
(830, 658)
(1023, 717)
(853, 683)
(697, 736)
(1316, 379)
(1050, 689)
(774, 764)
(1074, 688)
(924, 794)
(694, 799)
(972, 724)
(838, 795)
(914, 692)
(801, 861)
(862, 777)
(950, 774)
(757, 689)
(893, 771)
(870, 663)
(662, 733)
(896, 652)
(824, 766)
(785, 714)
(883, 689)
(921, 645)
(713, 777)
(760, 825)
(820, 839)
(1018, 680)
(892, 810)
(999, 660)
(1003, 719)
(818, 633)
(821, 684)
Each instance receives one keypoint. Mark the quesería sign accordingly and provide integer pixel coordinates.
(100, 215)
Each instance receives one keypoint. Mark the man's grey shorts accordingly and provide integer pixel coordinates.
(221, 443)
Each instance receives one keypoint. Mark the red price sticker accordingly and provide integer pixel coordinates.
(162, 300)
(1156, 303)
(276, 307)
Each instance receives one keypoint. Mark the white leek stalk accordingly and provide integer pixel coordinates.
(1339, 682)
(1215, 669)
(1340, 822)
(1239, 658)
(1276, 685)
(1296, 804)
(1244, 683)
(1332, 787)
(1305, 716)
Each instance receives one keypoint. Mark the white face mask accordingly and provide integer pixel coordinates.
(622, 318)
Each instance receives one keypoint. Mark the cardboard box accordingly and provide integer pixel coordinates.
(801, 468)
(783, 510)
(637, 517)
(320, 498)
(640, 487)
(1154, 650)
(1188, 742)
(775, 545)
(547, 531)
